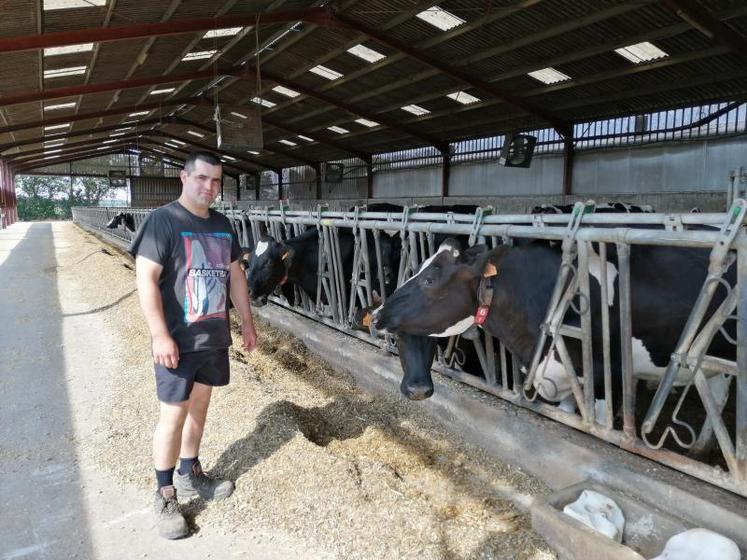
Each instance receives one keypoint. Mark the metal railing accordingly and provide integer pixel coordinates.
(721, 384)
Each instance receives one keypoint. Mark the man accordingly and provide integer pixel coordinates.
(187, 266)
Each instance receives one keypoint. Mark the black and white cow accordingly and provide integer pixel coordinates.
(441, 300)
(123, 218)
(603, 208)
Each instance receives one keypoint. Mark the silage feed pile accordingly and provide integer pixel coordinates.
(354, 475)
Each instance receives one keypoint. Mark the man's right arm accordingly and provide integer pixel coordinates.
(165, 350)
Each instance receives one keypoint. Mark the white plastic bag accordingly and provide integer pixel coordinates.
(598, 512)
(699, 544)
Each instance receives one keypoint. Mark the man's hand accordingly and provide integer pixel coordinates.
(165, 351)
(249, 336)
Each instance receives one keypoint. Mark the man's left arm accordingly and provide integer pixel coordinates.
(240, 299)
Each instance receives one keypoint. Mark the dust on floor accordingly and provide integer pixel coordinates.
(355, 475)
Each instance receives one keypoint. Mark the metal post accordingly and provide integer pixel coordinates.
(280, 183)
(568, 153)
(585, 312)
(741, 431)
(445, 173)
(626, 340)
(369, 179)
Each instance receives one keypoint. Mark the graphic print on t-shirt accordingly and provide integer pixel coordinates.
(208, 268)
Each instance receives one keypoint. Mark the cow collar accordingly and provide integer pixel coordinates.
(485, 294)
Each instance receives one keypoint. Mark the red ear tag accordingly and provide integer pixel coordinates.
(481, 315)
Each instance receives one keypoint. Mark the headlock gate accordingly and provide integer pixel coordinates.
(671, 427)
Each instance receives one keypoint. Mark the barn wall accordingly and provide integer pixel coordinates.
(686, 167)
(425, 181)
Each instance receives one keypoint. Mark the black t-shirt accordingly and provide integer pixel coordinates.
(196, 255)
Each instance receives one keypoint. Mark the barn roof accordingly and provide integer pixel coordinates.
(349, 78)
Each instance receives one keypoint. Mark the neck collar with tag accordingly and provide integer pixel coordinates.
(485, 294)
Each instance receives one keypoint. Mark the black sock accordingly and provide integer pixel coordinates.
(185, 465)
(165, 478)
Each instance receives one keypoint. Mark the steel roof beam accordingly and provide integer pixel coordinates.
(240, 157)
(71, 134)
(83, 154)
(452, 72)
(73, 151)
(96, 114)
(110, 86)
(316, 16)
(709, 25)
(212, 130)
(34, 154)
(353, 109)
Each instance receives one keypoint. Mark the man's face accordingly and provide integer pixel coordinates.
(202, 186)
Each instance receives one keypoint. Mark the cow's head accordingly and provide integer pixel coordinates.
(441, 299)
(391, 247)
(268, 268)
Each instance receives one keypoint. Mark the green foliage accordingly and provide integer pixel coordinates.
(51, 198)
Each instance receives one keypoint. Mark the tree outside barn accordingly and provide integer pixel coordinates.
(43, 197)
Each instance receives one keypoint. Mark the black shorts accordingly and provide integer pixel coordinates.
(209, 367)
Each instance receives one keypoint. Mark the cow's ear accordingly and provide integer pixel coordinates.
(489, 263)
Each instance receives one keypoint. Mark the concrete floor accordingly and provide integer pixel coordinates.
(55, 504)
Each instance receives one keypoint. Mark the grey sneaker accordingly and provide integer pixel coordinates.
(197, 483)
(171, 522)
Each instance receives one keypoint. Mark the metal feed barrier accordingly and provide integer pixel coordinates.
(715, 380)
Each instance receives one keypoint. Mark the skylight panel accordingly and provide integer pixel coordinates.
(225, 32)
(229, 158)
(641, 52)
(366, 122)
(67, 4)
(415, 110)
(53, 143)
(139, 114)
(197, 55)
(61, 72)
(241, 116)
(253, 152)
(325, 72)
(114, 134)
(197, 134)
(124, 128)
(179, 142)
(286, 91)
(440, 18)
(287, 142)
(56, 127)
(103, 148)
(110, 141)
(69, 49)
(463, 97)
(302, 137)
(263, 102)
(338, 129)
(369, 55)
(52, 151)
(161, 91)
(170, 145)
(57, 106)
(549, 76)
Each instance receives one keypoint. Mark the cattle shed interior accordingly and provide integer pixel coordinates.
(633, 98)
(329, 105)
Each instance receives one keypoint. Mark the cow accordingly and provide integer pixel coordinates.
(123, 218)
(441, 300)
(603, 208)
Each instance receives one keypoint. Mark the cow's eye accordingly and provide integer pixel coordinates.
(428, 281)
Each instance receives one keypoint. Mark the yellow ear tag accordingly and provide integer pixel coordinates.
(285, 255)
(490, 270)
(367, 320)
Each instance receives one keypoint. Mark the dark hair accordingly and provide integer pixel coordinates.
(207, 157)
